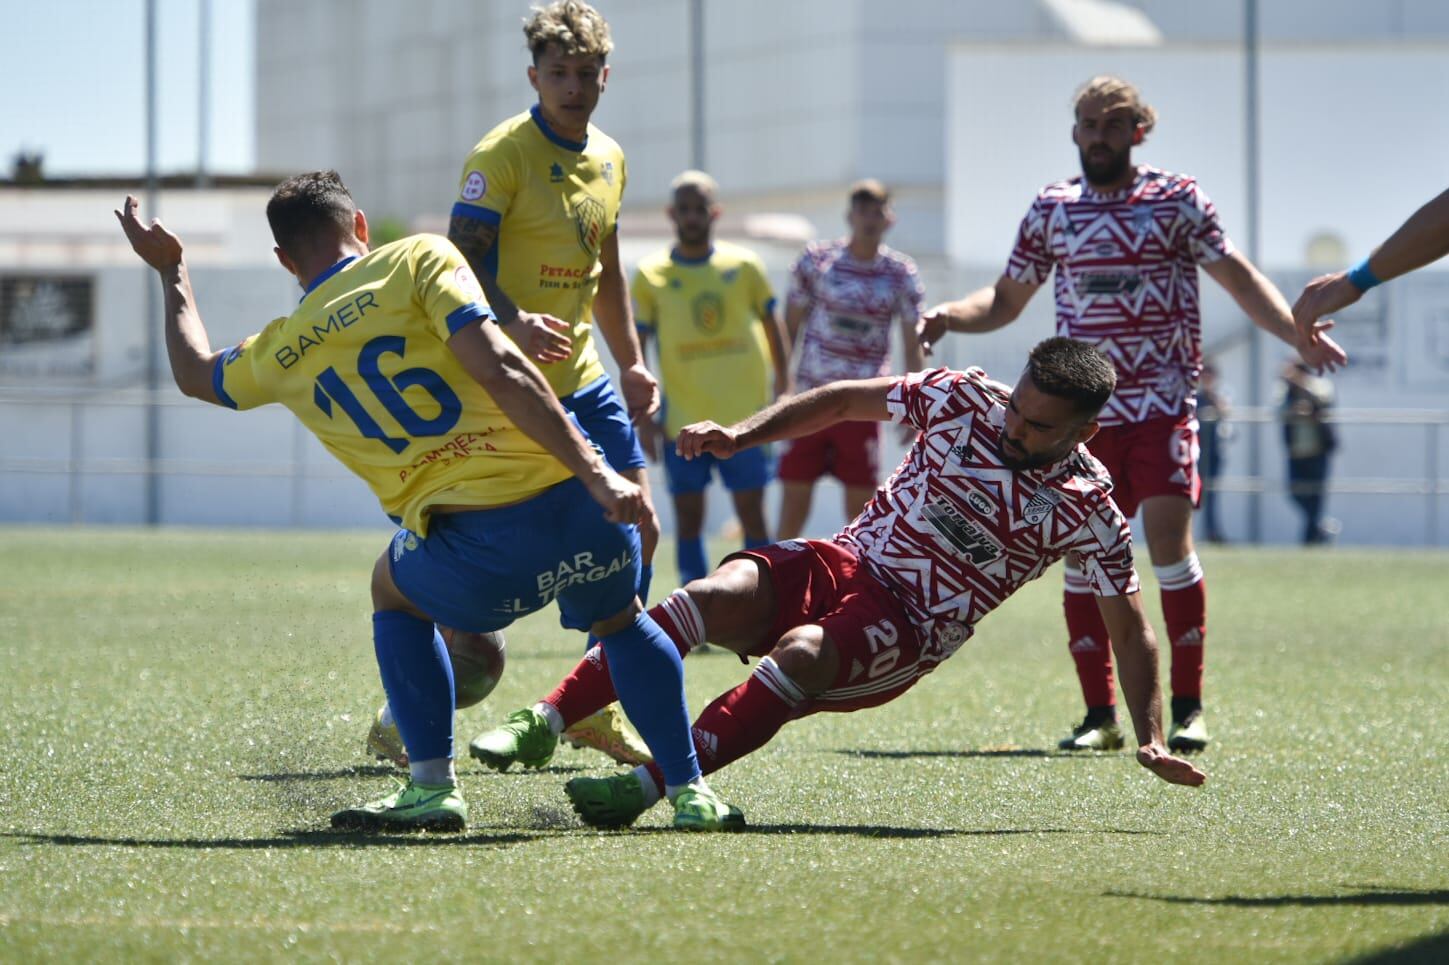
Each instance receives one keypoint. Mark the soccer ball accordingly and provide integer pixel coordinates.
(478, 660)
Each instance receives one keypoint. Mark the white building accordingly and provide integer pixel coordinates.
(963, 106)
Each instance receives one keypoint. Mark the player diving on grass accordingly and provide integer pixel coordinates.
(997, 487)
(394, 361)
(536, 215)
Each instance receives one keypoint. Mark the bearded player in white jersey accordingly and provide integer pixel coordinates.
(1124, 242)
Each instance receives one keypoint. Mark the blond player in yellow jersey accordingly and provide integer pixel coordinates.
(536, 215)
(708, 308)
(394, 362)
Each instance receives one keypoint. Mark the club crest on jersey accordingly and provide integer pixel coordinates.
(968, 537)
(475, 186)
(708, 311)
(608, 173)
(949, 635)
(728, 275)
(1141, 218)
(589, 219)
(555, 172)
(1040, 505)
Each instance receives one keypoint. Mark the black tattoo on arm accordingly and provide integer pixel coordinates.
(475, 239)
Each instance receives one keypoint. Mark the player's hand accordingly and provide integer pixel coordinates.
(1322, 296)
(700, 438)
(623, 501)
(931, 328)
(541, 337)
(1322, 354)
(1173, 770)
(641, 392)
(157, 247)
(651, 438)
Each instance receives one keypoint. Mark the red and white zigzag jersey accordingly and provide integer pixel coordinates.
(851, 305)
(1126, 281)
(953, 532)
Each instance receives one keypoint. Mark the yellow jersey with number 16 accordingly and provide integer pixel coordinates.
(364, 363)
(554, 201)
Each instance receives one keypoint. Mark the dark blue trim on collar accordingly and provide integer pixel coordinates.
(679, 259)
(328, 274)
(553, 135)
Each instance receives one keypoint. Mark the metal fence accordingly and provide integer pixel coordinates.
(64, 455)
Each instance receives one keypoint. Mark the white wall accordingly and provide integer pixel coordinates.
(1347, 142)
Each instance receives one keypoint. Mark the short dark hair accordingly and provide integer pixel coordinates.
(1073, 370)
(309, 208)
(869, 191)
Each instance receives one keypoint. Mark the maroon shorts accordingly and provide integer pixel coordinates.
(820, 582)
(849, 451)
(1153, 458)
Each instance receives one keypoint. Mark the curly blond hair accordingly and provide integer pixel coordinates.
(572, 24)
(1118, 93)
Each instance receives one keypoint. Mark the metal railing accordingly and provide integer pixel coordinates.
(1427, 483)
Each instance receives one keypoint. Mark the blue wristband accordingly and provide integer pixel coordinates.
(1362, 277)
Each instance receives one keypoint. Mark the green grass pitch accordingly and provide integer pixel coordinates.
(181, 710)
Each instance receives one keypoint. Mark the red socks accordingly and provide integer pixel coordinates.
(1184, 609)
(1090, 646)
(743, 719)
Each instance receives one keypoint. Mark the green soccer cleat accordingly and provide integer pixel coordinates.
(698, 808)
(385, 743)
(412, 807)
(608, 732)
(607, 802)
(1190, 735)
(525, 737)
(1088, 736)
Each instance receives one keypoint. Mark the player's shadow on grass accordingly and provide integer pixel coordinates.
(1365, 895)
(338, 774)
(385, 770)
(977, 752)
(300, 838)
(885, 831)
(889, 832)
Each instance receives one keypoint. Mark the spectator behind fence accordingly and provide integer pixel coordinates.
(1213, 433)
(1310, 441)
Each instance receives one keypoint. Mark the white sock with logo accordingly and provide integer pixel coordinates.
(439, 770)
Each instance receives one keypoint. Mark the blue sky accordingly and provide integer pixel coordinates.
(75, 85)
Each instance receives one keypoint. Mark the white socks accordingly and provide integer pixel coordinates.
(550, 713)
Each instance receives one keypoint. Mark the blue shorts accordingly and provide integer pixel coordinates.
(602, 414)
(481, 570)
(745, 470)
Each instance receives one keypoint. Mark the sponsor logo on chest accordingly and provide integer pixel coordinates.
(968, 537)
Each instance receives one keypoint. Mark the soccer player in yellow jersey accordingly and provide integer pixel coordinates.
(392, 360)
(722, 356)
(536, 216)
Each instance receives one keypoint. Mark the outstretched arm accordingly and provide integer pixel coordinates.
(1266, 306)
(1136, 649)
(187, 346)
(984, 310)
(799, 415)
(542, 337)
(1422, 239)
